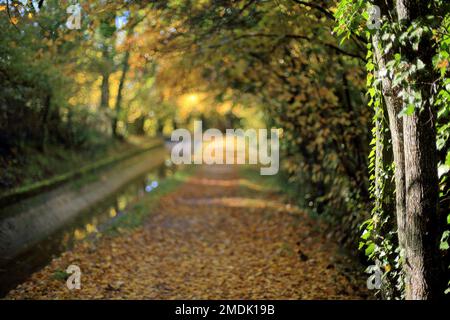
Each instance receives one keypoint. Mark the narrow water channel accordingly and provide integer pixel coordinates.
(87, 224)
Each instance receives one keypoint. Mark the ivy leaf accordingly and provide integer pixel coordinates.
(444, 241)
(420, 64)
(365, 235)
(361, 245)
(370, 249)
(407, 111)
(447, 159)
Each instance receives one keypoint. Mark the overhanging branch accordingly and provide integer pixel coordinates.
(302, 37)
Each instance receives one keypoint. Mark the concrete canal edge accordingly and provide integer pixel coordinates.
(31, 220)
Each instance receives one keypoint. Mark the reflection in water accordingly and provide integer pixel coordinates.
(87, 224)
(119, 203)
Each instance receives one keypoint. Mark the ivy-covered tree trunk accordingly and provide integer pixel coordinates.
(415, 157)
(422, 266)
(393, 107)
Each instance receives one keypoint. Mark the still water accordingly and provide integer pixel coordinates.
(87, 224)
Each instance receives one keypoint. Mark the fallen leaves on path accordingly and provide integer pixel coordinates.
(216, 237)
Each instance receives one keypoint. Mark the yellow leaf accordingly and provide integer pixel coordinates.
(443, 64)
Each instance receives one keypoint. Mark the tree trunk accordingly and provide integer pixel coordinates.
(125, 66)
(45, 122)
(422, 265)
(394, 106)
(139, 126)
(104, 100)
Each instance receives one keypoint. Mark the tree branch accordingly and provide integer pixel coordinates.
(302, 37)
(327, 13)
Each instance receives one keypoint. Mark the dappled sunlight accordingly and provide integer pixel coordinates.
(228, 183)
(252, 185)
(208, 231)
(215, 182)
(241, 202)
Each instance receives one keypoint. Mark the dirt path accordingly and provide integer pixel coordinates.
(216, 237)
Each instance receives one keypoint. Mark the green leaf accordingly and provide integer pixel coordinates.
(365, 235)
(444, 240)
(420, 64)
(370, 249)
(407, 111)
